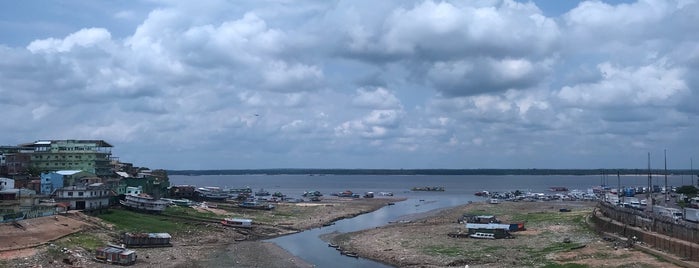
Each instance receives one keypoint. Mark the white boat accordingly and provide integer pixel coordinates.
(214, 193)
(144, 202)
(494, 201)
(482, 235)
(237, 222)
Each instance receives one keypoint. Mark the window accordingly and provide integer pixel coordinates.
(70, 193)
(80, 193)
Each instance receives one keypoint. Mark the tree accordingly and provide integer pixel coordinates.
(688, 190)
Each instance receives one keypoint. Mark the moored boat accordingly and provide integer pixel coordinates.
(262, 192)
(482, 236)
(429, 188)
(237, 222)
(256, 205)
(144, 202)
(211, 193)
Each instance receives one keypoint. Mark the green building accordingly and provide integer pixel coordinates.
(93, 156)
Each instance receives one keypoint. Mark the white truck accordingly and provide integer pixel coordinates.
(691, 214)
(673, 213)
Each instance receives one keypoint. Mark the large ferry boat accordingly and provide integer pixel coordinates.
(144, 202)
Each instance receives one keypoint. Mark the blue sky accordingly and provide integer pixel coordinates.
(356, 84)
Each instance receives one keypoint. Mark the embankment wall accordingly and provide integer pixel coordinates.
(661, 233)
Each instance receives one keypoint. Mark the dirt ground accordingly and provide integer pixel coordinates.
(212, 245)
(35, 232)
(424, 242)
(419, 241)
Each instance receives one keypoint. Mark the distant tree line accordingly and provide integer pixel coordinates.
(292, 171)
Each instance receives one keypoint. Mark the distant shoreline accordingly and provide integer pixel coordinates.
(541, 172)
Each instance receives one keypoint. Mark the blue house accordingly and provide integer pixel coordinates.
(55, 180)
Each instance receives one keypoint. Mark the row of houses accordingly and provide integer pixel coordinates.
(49, 176)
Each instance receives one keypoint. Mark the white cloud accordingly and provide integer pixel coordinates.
(650, 85)
(378, 98)
(416, 82)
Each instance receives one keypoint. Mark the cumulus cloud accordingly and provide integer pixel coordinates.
(438, 82)
(650, 85)
(80, 39)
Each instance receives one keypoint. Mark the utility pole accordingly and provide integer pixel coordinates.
(667, 197)
(650, 188)
(618, 189)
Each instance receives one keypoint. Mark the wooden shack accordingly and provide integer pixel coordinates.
(147, 239)
(115, 255)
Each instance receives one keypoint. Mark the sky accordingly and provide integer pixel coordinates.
(357, 83)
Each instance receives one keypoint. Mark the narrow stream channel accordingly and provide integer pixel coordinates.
(308, 246)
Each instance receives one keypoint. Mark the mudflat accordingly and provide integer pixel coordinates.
(70, 240)
(551, 237)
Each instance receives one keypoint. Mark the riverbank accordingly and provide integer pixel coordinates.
(551, 237)
(197, 238)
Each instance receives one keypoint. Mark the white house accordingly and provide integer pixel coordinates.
(88, 197)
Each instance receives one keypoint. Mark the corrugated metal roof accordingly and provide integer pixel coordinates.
(123, 174)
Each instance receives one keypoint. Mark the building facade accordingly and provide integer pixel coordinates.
(7, 183)
(89, 197)
(93, 156)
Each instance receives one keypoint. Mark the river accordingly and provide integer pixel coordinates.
(459, 190)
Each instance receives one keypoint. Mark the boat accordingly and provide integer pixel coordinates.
(328, 224)
(482, 236)
(278, 194)
(312, 193)
(347, 193)
(558, 189)
(211, 193)
(183, 202)
(429, 188)
(386, 193)
(144, 202)
(369, 195)
(236, 191)
(237, 222)
(482, 193)
(494, 201)
(262, 192)
(332, 245)
(256, 205)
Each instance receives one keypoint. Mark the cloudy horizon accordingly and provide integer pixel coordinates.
(357, 84)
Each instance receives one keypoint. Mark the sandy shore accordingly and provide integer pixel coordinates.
(207, 245)
(551, 237)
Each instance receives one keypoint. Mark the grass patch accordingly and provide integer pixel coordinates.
(565, 265)
(191, 213)
(130, 221)
(445, 251)
(83, 240)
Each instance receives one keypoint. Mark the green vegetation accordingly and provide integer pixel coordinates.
(444, 250)
(565, 265)
(83, 240)
(190, 213)
(688, 190)
(130, 221)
